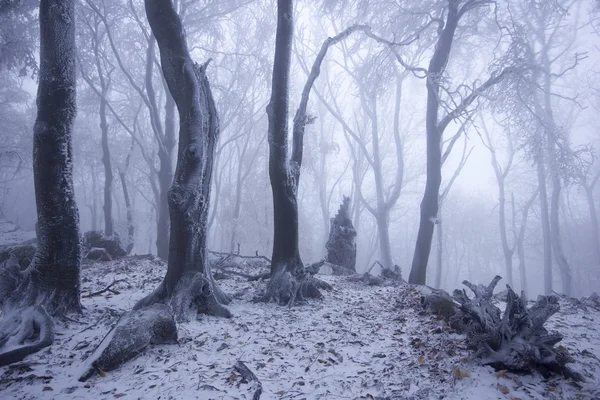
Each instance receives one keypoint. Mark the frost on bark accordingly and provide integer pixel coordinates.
(517, 339)
(290, 281)
(341, 246)
(49, 286)
(188, 286)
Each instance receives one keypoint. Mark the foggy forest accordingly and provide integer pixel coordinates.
(299, 199)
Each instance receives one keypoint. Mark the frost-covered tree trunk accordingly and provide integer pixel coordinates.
(50, 285)
(188, 285)
(429, 204)
(289, 281)
(124, 186)
(287, 269)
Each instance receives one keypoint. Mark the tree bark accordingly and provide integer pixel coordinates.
(188, 285)
(286, 266)
(50, 285)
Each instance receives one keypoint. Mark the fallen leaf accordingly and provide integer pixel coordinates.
(47, 389)
(500, 374)
(421, 360)
(460, 373)
(502, 388)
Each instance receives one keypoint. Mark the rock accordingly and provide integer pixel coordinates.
(98, 254)
(133, 334)
(440, 303)
(23, 253)
(112, 244)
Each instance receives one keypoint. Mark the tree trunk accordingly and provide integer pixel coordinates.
(108, 174)
(50, 285)
(429, 204)
(507, 251)
(94, 207)
(589, 194)
(165, 178)
(440, 252)
(130, 226)
(559, 255)
(545, 217)
(188, 285)
(383, 230)
(286, 266)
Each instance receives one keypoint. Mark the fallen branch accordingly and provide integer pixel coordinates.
(219, 253)
(107, 289)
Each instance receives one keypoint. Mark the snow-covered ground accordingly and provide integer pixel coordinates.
(11, 234)
(358, 342)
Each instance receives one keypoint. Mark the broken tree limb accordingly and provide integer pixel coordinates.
(219, 253)
(106, 289)
(516, 340)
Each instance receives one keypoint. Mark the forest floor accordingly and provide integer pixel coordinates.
(358, 342)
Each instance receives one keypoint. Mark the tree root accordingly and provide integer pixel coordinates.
(133, 334)
(195, 294)
(515, 340)
(290, 289)
(25, 332)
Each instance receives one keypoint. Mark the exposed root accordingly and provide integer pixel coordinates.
(24, 332)
(290, 289)
(515, 340)
(195, 294)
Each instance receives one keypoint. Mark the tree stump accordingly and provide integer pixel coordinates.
(341, 246)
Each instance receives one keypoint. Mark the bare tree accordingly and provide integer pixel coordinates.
(435, 126)
(188, 284)
(50, 285)
(289, 280)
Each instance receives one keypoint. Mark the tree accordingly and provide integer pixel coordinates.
(188, 285)
(49, 287)
(289, 281)
(435, 126)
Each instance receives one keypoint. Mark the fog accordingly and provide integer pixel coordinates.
(535, 126)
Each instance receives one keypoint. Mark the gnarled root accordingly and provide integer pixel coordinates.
(515, 340)
(24, 332)
(286, 288)
(133, 334)
(195, 294)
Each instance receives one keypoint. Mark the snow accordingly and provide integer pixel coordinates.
(358, 342)
(11, 234)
